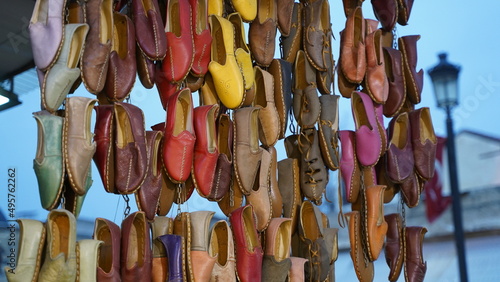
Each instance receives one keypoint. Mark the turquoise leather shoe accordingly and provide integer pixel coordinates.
(49, 163)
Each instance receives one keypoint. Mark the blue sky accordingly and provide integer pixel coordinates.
(466, 31)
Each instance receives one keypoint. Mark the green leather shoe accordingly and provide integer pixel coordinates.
(31, 242)
(49, 163)
(88, 253)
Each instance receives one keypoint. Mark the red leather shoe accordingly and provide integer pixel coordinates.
(248, 248)
(166, 88)
(180, 47)
(178, 145)
(103, 138)
(148, 26)
(206, 152)
(201, 37)
(108, 267)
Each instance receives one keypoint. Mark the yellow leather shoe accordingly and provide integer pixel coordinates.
(31, 242)
(246, 8)
(223, 67)
(216, 7)
(60, 255)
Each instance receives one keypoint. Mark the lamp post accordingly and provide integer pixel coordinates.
(444, 78)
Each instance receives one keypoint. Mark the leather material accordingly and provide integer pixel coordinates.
(222, 247)
(369, 144)
(246, 8)
(328, 130)
(274, 192)
(174, 248)
(288, 183)
(281, 71)
(206, 152)
(147, 197)
(233, 199)
(215, 7)
(166, 88)
(269, 125)
(79, 148)
(386, 12)
(59, 78)
(285, 10)
(247, 153)
(400, 161)
(159, 269)
(160, 226)
(410, 189)
(383, 179)
(168, 194)
(151, 39)
(352, 47)
(415, 266)
(135, 248)
(130, 148)
(273, 270)
(424, 142)
(60, 262)
(30, 247)
(108, 268)
(88, 253)
(349, 166)
(223, 67)
(146, 69)
(278, 239)
(202, 38)
(292, 43)
(362, 266)
(414, 80)
(243, 57)
(292, 146)
(324, 79)
(48, 163)
(404, 11)
(104, 139)
(297, 269)
(182, 227)
(317, 34)
(306, 105)
(376, 224)
(208, 94)
(95, 58)
(262, 32)
(201, 260)
(46, 30)
(396, 79)
(313, 173)
(122, 68)
(312, 245)
(248, 248)
(394, 246)
(194, 83)
(350, 5)
(224, 167)
(259, 195)
(180, 48)
(179, 136)
(376, 82)
(345, 87)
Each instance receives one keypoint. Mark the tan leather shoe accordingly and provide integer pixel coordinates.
(222, 247)
(262, 32)
(269, 125)
(352, 47)
(377, 85)
(233, 198)
(362, 266)
(60, 255)
(282, 74)
(394, 246)
(247, 153)
(88, 257)
(415, 266)
(160, 226)
(182, 227)
(376, 226)
(414, 80)
(79, 148)
(135, 248)
(274, 192)
(297, 269)
(31, 242)
(259, 195)
(203, 263)
(289, 185)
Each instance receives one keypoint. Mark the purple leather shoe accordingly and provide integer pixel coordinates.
(173, 246)
(349, 167)
(369, 144)
(400, 161)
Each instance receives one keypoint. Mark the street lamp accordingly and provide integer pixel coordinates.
(444, 78)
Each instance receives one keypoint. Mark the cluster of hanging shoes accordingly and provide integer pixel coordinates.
(224, 148)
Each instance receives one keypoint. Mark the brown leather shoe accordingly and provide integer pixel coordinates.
(414, 80)
(376, 82)
(313, 173)
(262, 32)
(145, 69)
(404, 11)
(269, 125)
(396, 80)
(352, 47)
(222, 247)
(345, 87)
(288, 182)
(424, 142)
(410, 189)
(108, 267)
(233, 199)
(415, 266)
(363, 267)
(376, 227)
(292, 43)
(386, 12)
(274, 192)
(394, 245)
(259, 195)
(317, 34)
(182, 227)
(135, 248)
(247, 153)
(224, 167)
(282, 74)
(400, 162)
(306, 105)
(350, 5)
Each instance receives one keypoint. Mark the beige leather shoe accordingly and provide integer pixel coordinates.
(88, 254)
(203, 263)
(274, 191)
(31, 242)
(222, 247)
(259, 195)
(289, 185)
(60, 255)
(269, 121)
